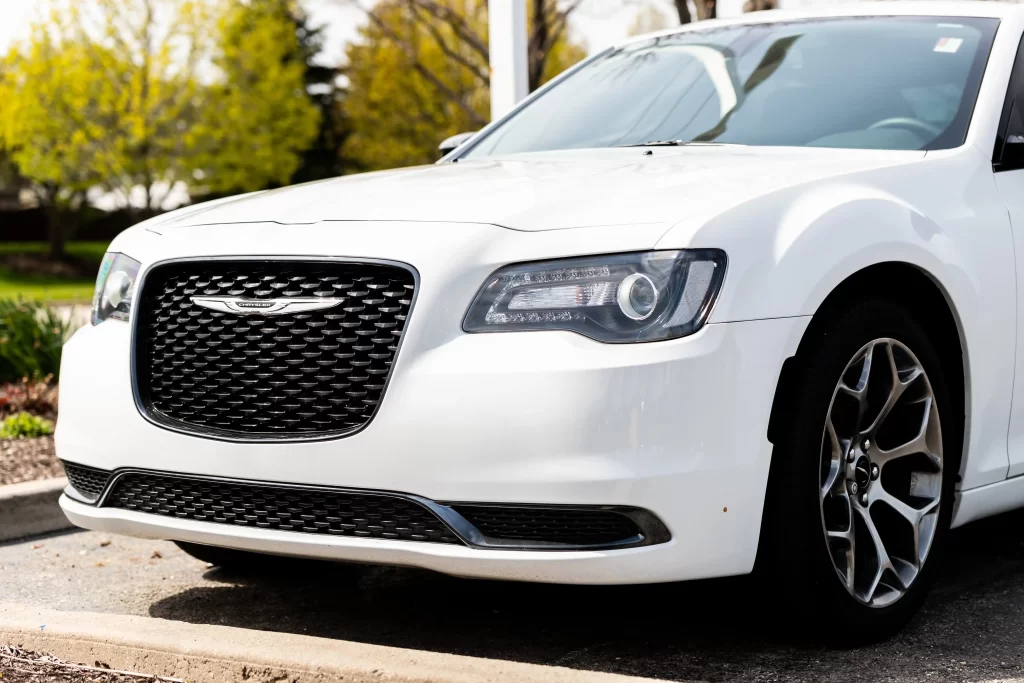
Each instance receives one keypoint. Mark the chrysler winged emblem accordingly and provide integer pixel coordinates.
(243, 306)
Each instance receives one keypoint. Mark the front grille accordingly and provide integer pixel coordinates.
(277, 506)
(88, 481)
(304, 374)
(562, 526)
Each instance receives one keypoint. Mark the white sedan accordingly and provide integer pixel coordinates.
(742, 295)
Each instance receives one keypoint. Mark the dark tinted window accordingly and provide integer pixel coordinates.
(864, 82)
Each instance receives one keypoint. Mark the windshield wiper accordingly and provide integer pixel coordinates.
(657, 143)
(675, 143)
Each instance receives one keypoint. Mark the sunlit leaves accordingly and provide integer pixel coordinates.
(130, 94)
(413, 80)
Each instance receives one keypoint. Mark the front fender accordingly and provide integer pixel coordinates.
(789, 250)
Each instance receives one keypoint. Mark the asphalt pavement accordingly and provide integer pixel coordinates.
(971, 628)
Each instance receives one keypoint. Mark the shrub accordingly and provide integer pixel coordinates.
(36, 396)
(31, 337)
(24, 426)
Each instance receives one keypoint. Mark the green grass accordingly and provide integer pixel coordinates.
(46, 288)
(90, 251)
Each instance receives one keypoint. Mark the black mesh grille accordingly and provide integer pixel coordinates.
(88, 481)
(550, 525)
(279, 507)
(298, 374)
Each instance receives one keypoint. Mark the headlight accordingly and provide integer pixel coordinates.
(619, 298)
(115, 287)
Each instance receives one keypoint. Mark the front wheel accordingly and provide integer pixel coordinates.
(861, 491)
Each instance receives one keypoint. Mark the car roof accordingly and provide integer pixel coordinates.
(919, 8)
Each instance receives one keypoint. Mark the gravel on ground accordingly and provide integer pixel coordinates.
(28, 460)
(21, 666)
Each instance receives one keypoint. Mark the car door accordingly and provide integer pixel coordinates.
(1008, 167)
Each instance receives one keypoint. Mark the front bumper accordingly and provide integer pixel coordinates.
(677, 428)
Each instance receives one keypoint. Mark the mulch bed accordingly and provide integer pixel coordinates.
(28, 460)
(21, 666)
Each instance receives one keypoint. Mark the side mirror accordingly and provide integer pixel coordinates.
(452, 143)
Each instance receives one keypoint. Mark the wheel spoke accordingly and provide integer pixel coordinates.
(907, 512)
(896, 390)
(884, 563)
(918, 444)
(914, 517)
(847, 538)
(836, 462)
(860, 392)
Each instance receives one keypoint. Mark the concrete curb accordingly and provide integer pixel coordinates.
(201, 652)
(31, 508)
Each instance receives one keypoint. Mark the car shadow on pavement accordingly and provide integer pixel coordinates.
(971, 628)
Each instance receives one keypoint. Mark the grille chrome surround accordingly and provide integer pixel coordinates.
(302, 376)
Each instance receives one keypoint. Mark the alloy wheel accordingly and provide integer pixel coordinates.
(881, 472)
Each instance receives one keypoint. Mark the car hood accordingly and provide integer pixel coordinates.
(547, 191)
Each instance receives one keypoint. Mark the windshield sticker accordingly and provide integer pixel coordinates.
(948, 44)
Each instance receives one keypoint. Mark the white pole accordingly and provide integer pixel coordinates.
(508, 55)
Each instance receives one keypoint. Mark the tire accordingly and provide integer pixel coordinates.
(816, 535)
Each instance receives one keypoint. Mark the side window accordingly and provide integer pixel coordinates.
(1009, 152)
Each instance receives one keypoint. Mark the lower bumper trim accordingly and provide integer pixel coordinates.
(367, 513)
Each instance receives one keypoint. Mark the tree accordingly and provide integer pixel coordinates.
(142, 97)
(759, 5)
(706, 9)
(49, 124)
(257, 118)
(324, 158)
(420, 73)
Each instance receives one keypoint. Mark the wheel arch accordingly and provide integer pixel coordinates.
(919, 291)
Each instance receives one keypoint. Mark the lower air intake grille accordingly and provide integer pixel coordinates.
(88, 481)
(571, 527)
(274, 506)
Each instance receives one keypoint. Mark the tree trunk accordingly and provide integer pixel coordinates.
(684, 11)
(539, 39)
(55, 232)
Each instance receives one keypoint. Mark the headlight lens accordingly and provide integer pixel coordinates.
(638, 297)
(115, 288)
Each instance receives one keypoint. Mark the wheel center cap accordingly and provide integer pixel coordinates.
(862, 473)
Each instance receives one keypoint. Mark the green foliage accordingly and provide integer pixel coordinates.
(419, 73)
(31, 337)
(24, 426)
(85, 250)
(45, 288)
(323, 159)
(52, 106)
(149, 94)
(257, 119)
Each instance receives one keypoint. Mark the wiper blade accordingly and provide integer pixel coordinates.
(677, 143)
(657, 143)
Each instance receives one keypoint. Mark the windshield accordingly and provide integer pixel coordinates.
(852, 82)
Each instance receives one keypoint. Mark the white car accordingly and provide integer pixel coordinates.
(745, 294)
